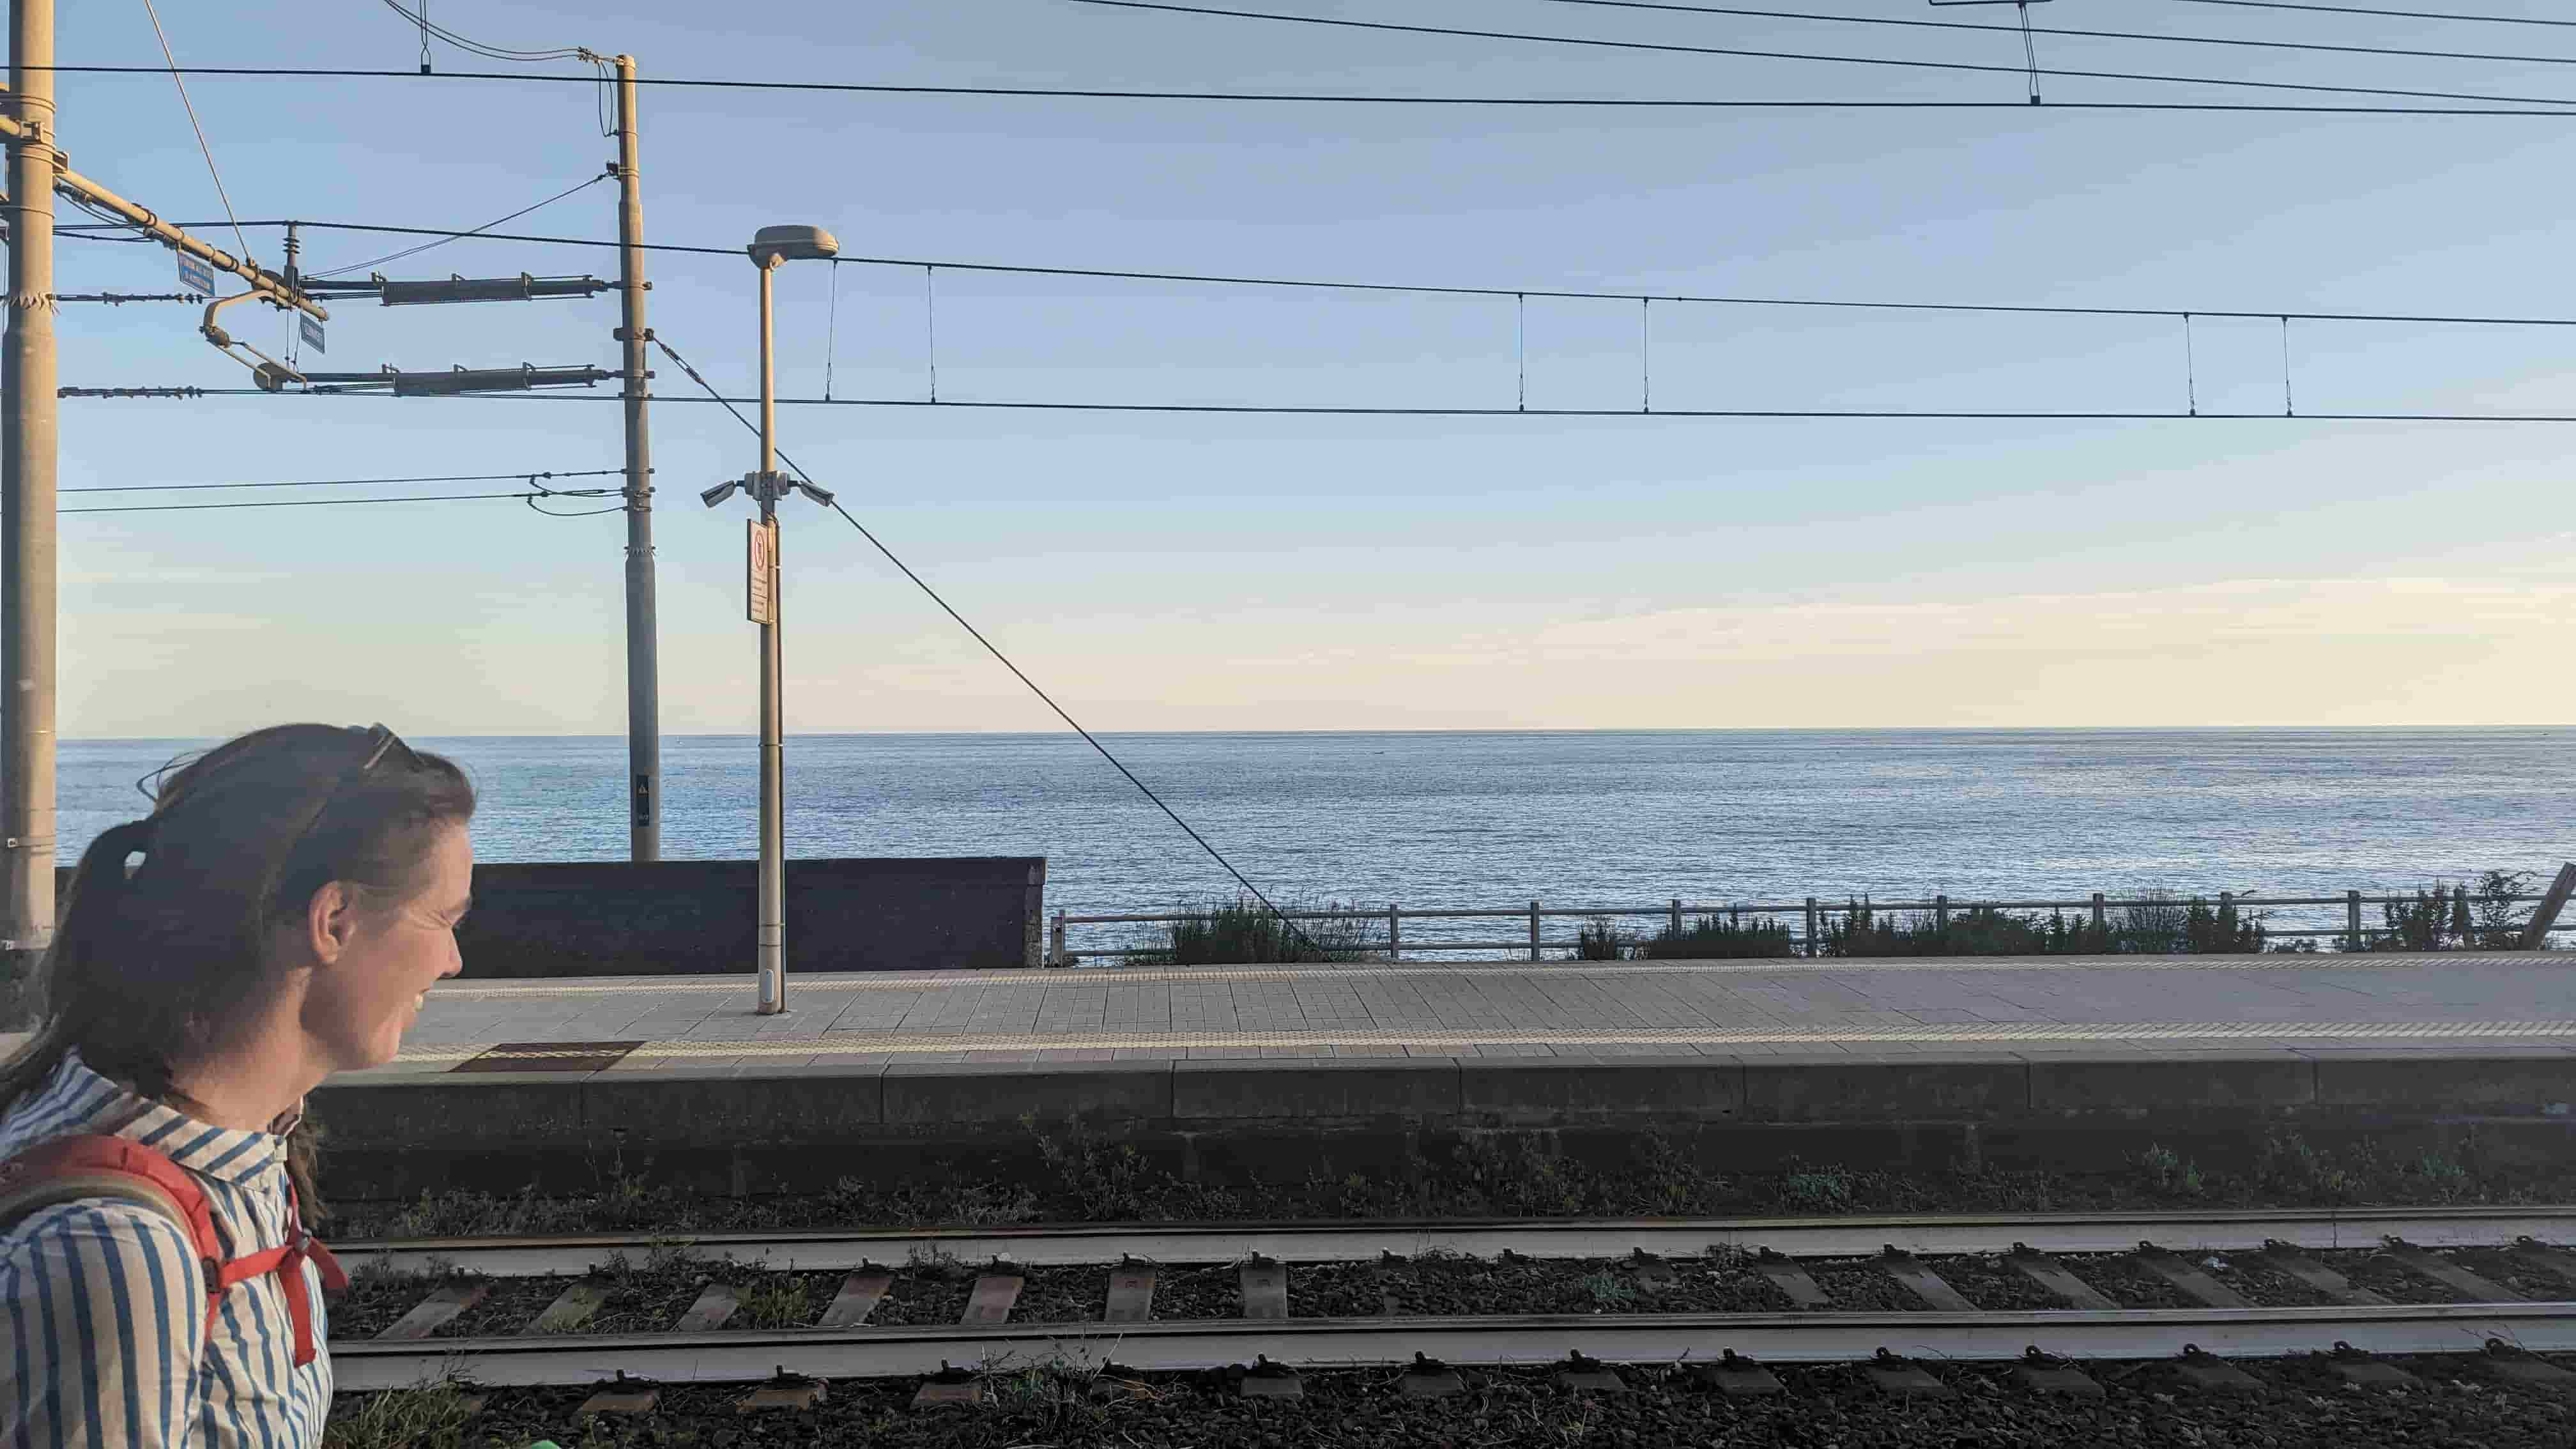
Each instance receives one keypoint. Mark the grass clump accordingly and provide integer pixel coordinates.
(1719, 938)
(2165, 1172)
(1602, 940)
(911, 1204)
(774, 1300)
(1609, 1290)
(431, 1414)
(1244, 932)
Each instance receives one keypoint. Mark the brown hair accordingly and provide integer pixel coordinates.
(156, 967)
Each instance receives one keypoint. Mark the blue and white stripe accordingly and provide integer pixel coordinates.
(107, 1342)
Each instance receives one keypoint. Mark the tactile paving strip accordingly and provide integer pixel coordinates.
(961, 1041)
(548, 1056)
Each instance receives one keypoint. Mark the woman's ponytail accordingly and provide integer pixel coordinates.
(88, 926)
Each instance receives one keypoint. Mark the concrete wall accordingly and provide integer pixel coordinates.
(1226, 1122)
(685, 916)
(675, 917)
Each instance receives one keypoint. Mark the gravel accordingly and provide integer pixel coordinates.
(925, 1296)
(1993, 1283)
(2123, 1282)
(1860, 1285)
(1062, 1295)
(2369, 1268)
(2300, 1405)
(1212, 1292)
(647, 1303)
(511, 1305)
(2263, 1284)
(2506, 1270)
(375, 1300)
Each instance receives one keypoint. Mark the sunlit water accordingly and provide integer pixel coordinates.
(1595, 818)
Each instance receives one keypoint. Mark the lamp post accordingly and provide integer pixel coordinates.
(770, 247)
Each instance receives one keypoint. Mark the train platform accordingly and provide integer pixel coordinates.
(1929, 1061)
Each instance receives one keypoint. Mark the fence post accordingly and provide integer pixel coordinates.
(1055, 956)
(1813, 946)
(1941, 909)
(1677, 913)
(2352, 918)
(1394, 933)
(1533, 930)
(2101, 921)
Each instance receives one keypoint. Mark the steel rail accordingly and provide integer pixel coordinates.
(1841, 1237)
(1168, 1345)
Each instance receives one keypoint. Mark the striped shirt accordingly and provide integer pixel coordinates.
(107, 1340)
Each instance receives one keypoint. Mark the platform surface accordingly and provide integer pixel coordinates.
(2097, 1008)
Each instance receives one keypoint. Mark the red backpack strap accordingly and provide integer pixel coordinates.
(75, 1169)
(71, 1169)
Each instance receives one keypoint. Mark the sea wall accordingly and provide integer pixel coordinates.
(678, 917)
(681, 917)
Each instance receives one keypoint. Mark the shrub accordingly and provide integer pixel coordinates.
(1601, 940)
(1245, 932)
(1720, 938)
(2157, 924)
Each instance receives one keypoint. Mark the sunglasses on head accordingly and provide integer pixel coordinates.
(380, 743)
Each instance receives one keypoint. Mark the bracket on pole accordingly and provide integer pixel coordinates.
(268, 373)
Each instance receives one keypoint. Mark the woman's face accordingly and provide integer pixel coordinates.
(361, 1003)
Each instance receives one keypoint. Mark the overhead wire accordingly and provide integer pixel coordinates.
(2230, 41)
(601, 70)
(2497, 106)
(1354, 410)
(113, 227)
(1454, 290)
(194, 124)
(460, 235)
(475, 47)
(1005, 660)
(1596, 42)
(2367, 10)
(349, 482)
(338, 502)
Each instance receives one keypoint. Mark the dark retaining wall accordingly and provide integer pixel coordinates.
(799, 1130)
(685, 916)
(677, 917)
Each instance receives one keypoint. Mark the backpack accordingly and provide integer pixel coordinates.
(82, 1168)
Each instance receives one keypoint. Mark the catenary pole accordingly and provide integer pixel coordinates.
(643, 648)
(27, 572)
(773, 764)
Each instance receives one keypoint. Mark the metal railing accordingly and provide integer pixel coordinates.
(1812, 913)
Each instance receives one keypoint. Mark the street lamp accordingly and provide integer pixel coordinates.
(770, 247)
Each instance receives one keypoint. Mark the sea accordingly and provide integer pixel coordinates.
(1594, 819)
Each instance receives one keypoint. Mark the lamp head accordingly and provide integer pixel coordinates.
(774, 244)
(720, 492)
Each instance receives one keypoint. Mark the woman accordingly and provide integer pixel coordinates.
(297, 895)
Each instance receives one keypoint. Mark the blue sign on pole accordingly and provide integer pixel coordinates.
(311, 332)
(195, 275)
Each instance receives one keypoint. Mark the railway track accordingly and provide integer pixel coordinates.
(2123, 1286)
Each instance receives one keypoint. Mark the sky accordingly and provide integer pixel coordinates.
(1176, 571)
